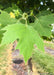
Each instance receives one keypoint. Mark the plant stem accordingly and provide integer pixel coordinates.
(26, 22)
(19, 19)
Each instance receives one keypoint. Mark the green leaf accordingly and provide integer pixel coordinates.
(42, 24)
(1, 6)
(14, 7)
(1, 35)
(27, 38)
(6, 19)
(44, 13)
(8, 10)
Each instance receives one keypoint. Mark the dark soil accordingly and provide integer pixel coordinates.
(19, 65)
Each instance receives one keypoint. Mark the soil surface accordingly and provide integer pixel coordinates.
(49, 50)
(19, 65)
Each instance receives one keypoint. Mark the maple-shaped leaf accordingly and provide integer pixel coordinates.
(27, 38)
(42, 24)
(5, 19)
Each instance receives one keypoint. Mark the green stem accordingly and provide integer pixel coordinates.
(19, 19)
(26, 22)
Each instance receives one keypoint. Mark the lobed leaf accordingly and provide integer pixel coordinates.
(42, 24)
(27, 38)
(5, 19)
